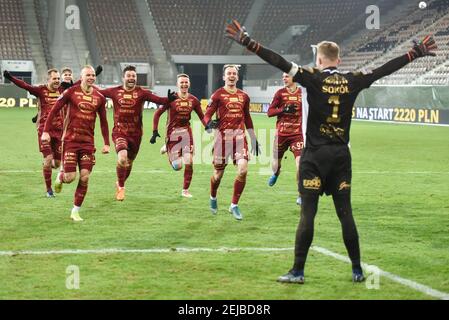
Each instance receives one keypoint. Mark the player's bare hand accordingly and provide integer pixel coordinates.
(237, 32)
(105, 149)
(45, 137)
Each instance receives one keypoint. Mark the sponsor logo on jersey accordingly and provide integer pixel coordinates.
(314, 184)
(87, 98)
(293, 98)
(234, 99)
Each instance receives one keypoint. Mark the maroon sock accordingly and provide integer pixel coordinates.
(80, 193)
(121, 176)
(128, 171)
(188, 173)
(47, 177)
(239, 185)
(214, 184)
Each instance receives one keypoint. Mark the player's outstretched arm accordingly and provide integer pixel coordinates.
(21, 84)
(238, 33)
(420, 49)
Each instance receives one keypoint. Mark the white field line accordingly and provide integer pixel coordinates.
(405, 282)
(260, 172)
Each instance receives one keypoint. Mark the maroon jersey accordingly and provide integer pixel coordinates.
(232, 109)
(180, 111)
(80, 115)
(128, 108)
(46, 100)
(287, 124)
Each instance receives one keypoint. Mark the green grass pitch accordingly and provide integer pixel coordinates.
(400, 201)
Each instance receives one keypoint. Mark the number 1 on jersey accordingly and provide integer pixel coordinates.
(334, 101)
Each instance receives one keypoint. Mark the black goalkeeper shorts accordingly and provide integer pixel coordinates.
(325, 169)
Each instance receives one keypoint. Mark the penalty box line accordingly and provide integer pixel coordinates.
(372, 268)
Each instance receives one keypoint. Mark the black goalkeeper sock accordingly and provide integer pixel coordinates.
(350, 236)
(304, 233)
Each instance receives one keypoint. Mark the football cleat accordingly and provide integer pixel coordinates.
(186, 194)
(58, 184)
(164, 149)
(213, 206)
(75, 216)
(357, 275)
(272, 180)
(236, 212)
(292, 277)
(50, 194)
(298, 201)
(120, 192)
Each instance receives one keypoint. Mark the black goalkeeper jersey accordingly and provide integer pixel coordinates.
(331, 95)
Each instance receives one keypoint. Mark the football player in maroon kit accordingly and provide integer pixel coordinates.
(287, 106)
(83, 102)
(179, 139)
(47, 95)
(128, 100)
(232, 107)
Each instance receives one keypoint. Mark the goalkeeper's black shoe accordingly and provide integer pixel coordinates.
(292, 277)
(34, 119)
(357, 275)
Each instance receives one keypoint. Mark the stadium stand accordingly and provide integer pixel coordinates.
(195, 27)
(396, 39)
(14, 43)
(43, 30)
(110, 18)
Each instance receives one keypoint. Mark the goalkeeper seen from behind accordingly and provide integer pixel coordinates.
(326, 160)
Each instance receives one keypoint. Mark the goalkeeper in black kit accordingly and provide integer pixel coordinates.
(326, 160)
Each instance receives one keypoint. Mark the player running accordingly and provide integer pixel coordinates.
(326, 159)
(179, 139)
(83, 102)
(47, 95)
(128, 100)
(287, 106)
(232, 107)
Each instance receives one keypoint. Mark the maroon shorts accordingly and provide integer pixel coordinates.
(129, 143)
(76, 154)
(235, 147)
(54, 147)
(282, 143)
(179, 142)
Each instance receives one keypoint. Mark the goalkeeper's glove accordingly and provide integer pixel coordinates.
(255, 147)
(98, 70)
(238, 33)
(34, 119)
(289, 109)
(155, 135)
(7, 75)
(423, 48)
(171, 95)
